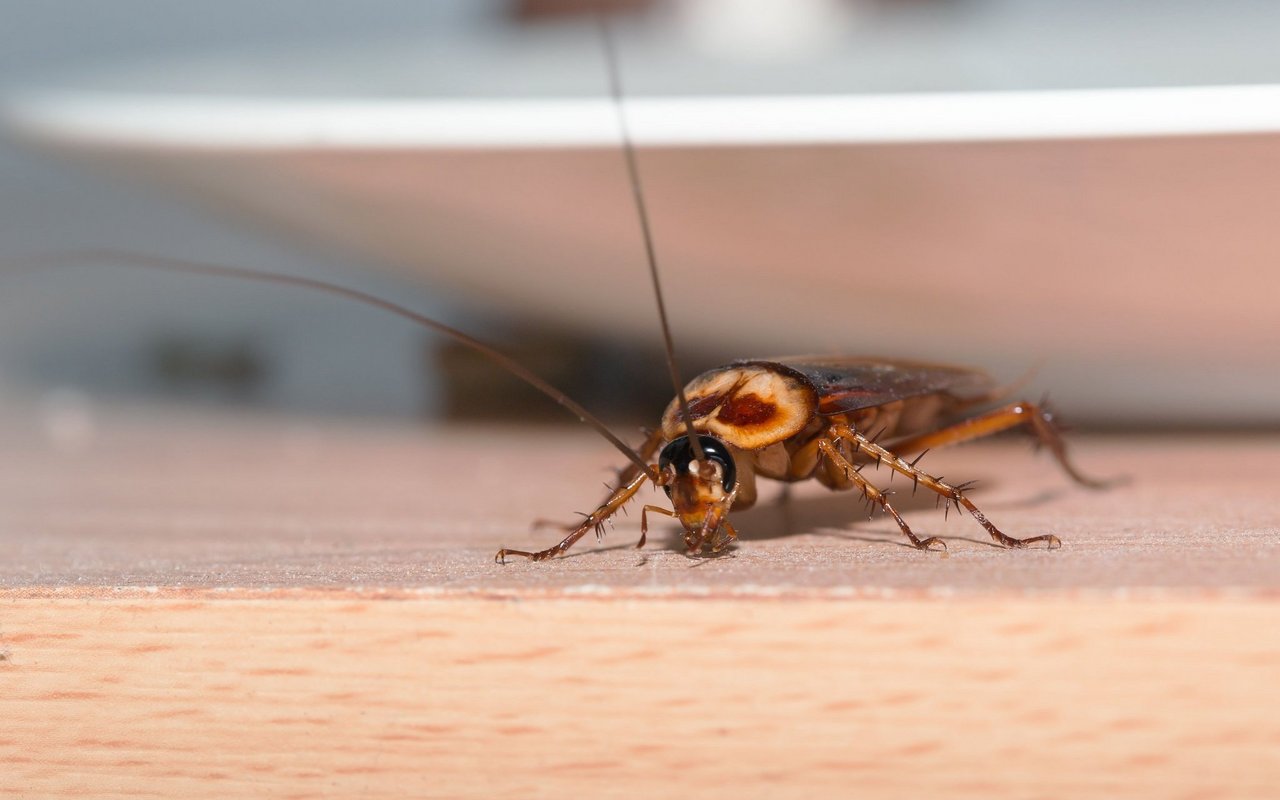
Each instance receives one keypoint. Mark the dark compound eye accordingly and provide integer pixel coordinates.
(680, 453)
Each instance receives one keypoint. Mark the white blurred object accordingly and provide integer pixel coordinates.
(130, 122)
(764, 29)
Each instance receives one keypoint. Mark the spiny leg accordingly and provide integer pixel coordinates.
(725, 535)
(869, 491)
(593, 522)
(644, 521)
(922, 478)
(715, 531)
(653, 440)
(1036, 417)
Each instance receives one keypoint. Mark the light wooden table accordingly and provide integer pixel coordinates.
(199, 605)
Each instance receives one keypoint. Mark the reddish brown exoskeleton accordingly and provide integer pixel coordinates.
(796, 419)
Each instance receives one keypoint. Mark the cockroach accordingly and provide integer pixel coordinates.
(787, 419)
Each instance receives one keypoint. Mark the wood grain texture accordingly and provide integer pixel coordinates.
(347, 698)
(204, 606)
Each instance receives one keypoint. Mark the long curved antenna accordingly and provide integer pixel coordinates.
(637, 192)
(189, 267)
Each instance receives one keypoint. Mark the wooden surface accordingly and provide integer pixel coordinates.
(197, 605)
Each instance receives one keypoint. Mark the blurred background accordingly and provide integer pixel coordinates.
(1088, 187)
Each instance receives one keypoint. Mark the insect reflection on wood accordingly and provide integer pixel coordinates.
(786, 419)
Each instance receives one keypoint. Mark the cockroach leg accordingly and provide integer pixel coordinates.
(593, 521)
(945, 490)
(644, 522)
(725, 535)
(647, 451)
(832, 453)
(1036, 417)
(715, 531)
(652, 442)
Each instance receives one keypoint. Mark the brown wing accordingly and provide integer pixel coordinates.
(848, 384)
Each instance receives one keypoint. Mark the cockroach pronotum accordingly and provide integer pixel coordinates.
(787, 419)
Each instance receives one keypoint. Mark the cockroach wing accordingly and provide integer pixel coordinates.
(850, 384)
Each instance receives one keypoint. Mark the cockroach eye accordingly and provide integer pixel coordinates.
(679, 452)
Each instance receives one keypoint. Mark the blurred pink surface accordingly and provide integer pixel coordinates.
(1139, 272)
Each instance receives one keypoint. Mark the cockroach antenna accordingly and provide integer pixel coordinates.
(637, 192)
(192, 267)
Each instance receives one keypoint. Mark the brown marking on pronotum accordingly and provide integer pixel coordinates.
(747, 409)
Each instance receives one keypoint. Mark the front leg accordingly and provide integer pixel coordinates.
(593, 521)
(652, 441)
(644, 522)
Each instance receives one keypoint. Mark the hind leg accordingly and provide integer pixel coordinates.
(1035, 417)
